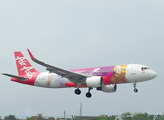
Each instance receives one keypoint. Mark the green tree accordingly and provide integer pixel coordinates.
(126, 116)
(52, 118)
(150, 117)
(40, 116)
(159, 117)
(10, 117)
(93, 119)
(102, 117)
(139, 116)
(69, 118)
(74, 118)
(112, 117)
(32, 118)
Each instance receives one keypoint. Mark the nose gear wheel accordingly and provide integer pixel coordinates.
(135, 89)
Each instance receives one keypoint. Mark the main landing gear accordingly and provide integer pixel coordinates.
(135, 89)
(88, 94)
(77, 91)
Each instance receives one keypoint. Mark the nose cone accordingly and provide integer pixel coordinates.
(153, 74)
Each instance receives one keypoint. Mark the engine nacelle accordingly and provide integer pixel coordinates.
(108, 88)
(94, 81)
(97, 81)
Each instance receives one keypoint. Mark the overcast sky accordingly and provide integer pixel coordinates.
(81, 34)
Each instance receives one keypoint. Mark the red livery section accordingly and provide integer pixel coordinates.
(32, 57)
(71, 84)
(28, 81)
(23, 66)
(106, 80)
(25, 69)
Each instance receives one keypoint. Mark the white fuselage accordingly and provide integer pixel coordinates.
(139, 73)
(134, 73)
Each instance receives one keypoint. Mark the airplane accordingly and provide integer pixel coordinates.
(104, 79)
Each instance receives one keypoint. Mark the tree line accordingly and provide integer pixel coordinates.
(124, 116)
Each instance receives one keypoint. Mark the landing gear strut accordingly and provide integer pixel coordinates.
(78, 91)
(135, 89)
(88, 94)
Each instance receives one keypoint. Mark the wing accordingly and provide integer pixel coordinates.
(72, 76)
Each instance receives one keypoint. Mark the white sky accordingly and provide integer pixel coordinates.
(80, 34)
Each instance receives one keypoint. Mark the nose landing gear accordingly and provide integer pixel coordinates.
(135, 89)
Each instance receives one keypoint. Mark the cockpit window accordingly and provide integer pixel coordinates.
(144, 68)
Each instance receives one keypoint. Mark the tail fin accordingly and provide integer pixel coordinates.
(23, 66)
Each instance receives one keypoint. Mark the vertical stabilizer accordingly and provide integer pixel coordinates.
(23, 66)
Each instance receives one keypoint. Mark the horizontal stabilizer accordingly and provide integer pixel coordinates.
(14, 76)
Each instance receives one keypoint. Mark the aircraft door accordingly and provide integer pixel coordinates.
(132, 70)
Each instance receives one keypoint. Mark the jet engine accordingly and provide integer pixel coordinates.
(94, 81)
(97, 81)
(108, 88)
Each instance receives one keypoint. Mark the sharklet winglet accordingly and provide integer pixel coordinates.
(32, 57)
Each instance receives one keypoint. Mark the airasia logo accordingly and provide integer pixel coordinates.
(22, 62)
